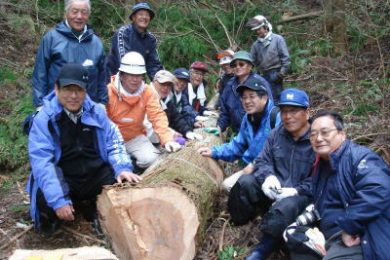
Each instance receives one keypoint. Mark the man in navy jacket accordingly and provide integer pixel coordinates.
(135, 37)
(351, 186)
(280, 184)
(71, 41)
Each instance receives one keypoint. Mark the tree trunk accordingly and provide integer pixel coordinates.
(165, 216)
(335, 25)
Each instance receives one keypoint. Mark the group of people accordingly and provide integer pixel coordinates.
(99, 123)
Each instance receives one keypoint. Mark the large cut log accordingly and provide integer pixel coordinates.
(165, 216)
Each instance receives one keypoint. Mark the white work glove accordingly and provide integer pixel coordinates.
(271, 186)
(210, 113)
(172, 147)
(201, 118)
(193, 136)
(286, 192)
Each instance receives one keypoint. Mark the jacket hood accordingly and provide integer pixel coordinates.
(65, 30)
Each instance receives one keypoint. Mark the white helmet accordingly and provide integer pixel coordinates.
(133, 63)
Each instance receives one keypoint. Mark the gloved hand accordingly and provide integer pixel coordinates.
(172, 147)
(271, 186)
(286, 192)
(212, 130)
(194, 136)
(210, 113)
(201, 118)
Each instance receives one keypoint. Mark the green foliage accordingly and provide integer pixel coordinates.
(13, 143)
(7, 75)
(6, 186)
(230, 252)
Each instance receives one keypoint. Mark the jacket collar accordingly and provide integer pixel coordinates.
(64, 29)
(336, 156)
(141, 34)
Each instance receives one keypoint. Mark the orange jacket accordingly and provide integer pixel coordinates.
(128, 113)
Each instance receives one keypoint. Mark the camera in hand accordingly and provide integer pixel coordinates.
(309, 216)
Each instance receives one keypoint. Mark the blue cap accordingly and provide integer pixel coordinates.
(142, 6)
(181, 73)
(294, 97)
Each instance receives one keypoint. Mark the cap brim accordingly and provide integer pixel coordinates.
(66, 82)
(293, 104)
(151, 13)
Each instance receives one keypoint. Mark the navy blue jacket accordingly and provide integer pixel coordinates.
(231, 111)
(60, 46)
(363, 184)
(289, 160)
(127, 38)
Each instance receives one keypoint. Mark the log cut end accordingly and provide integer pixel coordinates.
(149, 222)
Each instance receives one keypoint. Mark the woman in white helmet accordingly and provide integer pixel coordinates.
(130, 100)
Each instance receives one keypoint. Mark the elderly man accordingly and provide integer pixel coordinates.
(130, 100)
(255, 128)
(270, 54)
(351, 186)
(74, 150)
(164, 83)
(280, 184)
(196, 91)
(135, 37)
(71, 41)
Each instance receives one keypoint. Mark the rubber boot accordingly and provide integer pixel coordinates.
(267, 245)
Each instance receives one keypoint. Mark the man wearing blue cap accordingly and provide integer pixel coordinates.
(280, 184)
(135, 37)
(74, 150)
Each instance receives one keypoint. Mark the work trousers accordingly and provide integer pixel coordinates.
(142, 149)
(247, 200)
(82, 198)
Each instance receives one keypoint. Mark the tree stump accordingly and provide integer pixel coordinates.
(165, 216)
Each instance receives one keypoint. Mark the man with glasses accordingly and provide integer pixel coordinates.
(351, 189)
(280, 185)
(74, 150)
(135, 37)
(71, 41)
(231, 110)
(270, 54)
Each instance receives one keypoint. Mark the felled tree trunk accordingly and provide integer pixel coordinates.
(165, 216)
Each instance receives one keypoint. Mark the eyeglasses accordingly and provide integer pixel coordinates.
(238, 64)
(323, 132)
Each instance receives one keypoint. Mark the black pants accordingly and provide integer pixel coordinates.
(247, 200)
(83, 195)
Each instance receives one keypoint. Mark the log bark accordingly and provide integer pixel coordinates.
(165, 216)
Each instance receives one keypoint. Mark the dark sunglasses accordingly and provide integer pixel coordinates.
(238, 64)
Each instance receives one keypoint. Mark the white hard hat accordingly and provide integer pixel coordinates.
(133, 63)
(225, 60)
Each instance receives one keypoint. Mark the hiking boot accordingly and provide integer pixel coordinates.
(263, 249)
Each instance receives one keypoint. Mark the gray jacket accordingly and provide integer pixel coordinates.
(271, 55)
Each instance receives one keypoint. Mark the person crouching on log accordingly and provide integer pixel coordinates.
(261, 116)
(74, 150)
(130, 100)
